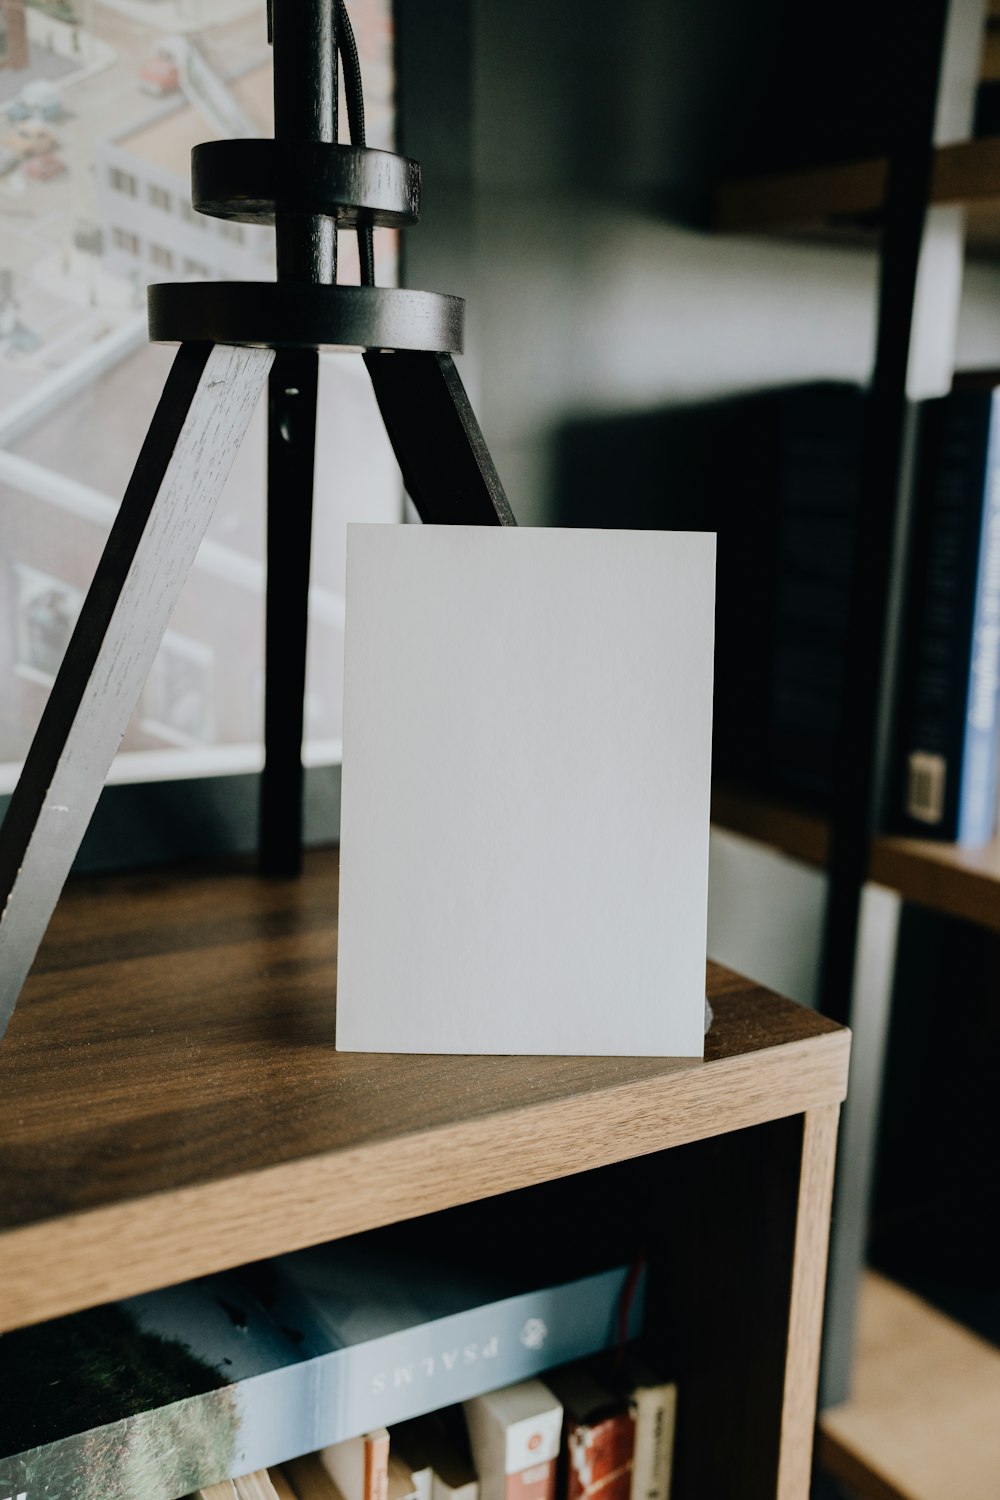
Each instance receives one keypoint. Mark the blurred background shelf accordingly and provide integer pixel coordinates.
(922, 1420)
(846, 194)
(940, 876)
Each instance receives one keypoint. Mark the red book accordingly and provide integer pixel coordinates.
(600, 1437)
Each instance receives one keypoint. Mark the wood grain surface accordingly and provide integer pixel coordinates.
(923, 1421)
(794, 831)
(173, 1102)
(805, 1314)
(785, 200)
(960, 882)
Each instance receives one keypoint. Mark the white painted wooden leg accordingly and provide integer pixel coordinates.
(196, 431)
(871, 1001)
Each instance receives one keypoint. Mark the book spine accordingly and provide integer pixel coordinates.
(600, 1458)
(948, 702)
(376, 1478)
(360, 1465)
(303, 1407)
(514, 1434)
(655, 1409)
(452, 1359)
(818, 488)
(977, 800)
(535, 1483)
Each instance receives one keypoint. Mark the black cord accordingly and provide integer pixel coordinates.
(355, 100)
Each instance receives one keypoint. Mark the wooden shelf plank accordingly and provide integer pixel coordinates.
(964, 172)
(173, 1103)
(800, 200)
(943, 877)
(922, 1422)
(989, 71)
(960, 882)
(790, 829)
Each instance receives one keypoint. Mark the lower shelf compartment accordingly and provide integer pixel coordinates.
(923, 1422)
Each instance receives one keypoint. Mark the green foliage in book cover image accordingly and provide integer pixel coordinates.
(78, 1376)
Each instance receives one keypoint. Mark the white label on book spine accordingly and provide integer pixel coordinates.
(925, 786)
(534, 1441)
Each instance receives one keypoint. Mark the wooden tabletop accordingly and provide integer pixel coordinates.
(172, 1102)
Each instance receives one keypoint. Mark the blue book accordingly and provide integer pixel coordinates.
(152, 1397)
(949, 716)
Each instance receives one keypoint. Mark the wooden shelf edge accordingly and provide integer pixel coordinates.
(790, 830)
(944, 878)
(921, 1423)
(791, 200)
(965, 172)
(83, 1259)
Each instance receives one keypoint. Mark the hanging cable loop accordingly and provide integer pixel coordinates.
(350, 62)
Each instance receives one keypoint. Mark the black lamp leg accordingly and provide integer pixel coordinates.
(446, 465)
(291, 442)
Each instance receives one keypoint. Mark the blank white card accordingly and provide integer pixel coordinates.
(525, 803)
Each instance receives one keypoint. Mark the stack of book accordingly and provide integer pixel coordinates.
(948, 725)
(788, 549)
(585, 1430)
(340, 1352)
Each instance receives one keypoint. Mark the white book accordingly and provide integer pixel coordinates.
(654, 1404)
(515, 1434)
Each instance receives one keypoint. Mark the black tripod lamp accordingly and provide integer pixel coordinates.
(235, 338)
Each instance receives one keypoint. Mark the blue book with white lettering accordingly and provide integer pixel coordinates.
(152, 1397)
(949, 719)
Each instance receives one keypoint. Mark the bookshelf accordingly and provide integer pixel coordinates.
(919, 1423)
(174, 1105)
(908, 1427)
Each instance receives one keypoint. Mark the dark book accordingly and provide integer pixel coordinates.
(986, 120)
(819, 443)
(783, 493)
(776, 475)
(947, 734)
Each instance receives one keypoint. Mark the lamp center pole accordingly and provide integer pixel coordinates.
(304, 38)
